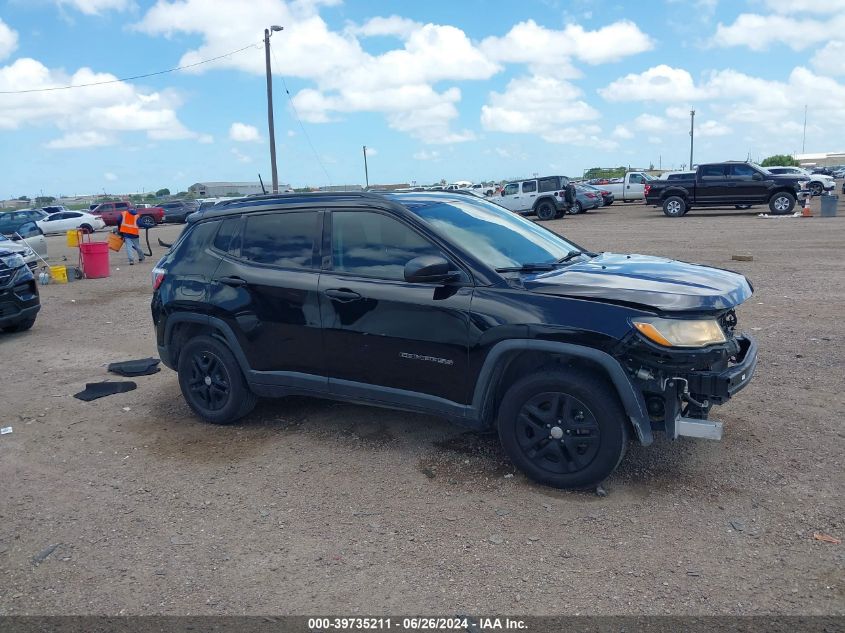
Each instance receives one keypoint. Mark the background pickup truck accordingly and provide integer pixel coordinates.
(631, 188)
(722, 184)
(111, 211)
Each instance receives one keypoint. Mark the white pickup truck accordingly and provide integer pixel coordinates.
(627, 189)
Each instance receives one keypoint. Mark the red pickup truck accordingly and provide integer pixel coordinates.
(111, 212)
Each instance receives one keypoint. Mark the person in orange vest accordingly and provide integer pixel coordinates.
(128, 230)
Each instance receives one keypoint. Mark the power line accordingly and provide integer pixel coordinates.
(114, 81)
(302, 127)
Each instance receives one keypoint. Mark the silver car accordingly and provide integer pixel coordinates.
(585, 199)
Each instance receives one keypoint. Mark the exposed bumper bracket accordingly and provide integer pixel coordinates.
(692, 427)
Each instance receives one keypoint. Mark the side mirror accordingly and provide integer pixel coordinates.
(428, 269)
(757, 176)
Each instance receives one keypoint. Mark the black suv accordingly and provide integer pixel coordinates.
(178, 210)
(19, 300)
(449, 305)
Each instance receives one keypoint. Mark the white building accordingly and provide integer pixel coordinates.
(220, 189)
(824, 159)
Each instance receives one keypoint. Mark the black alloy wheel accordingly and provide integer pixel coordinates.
(146, 222)
(211, 381)
(558, 432)
(546, 210)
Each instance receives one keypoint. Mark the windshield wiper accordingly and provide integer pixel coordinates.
(568, 256)
(527, 268)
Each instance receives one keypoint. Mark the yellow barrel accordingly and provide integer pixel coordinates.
(59, 274)
(73, 238)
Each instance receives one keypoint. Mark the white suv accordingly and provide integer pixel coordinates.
(548, 197)
(818, 183)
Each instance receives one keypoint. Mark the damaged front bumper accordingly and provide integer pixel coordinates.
(679, 392)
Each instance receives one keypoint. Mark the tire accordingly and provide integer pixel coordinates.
(86, 228)
(816, 188)
(782, 203)
(607, 204)
(20, 326)
(541, 431)
(232, 399)
(546, 210)
(576, 208)
(742, 206)
(674, 207)
(146, 222)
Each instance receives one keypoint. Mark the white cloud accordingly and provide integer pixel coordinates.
(830, 60)
(426, 155)
(622, 132)
(545, 49)
(760, 32)
(110, 176)
(712, 128)
(655, 140)
(240, 156)
(76, 140)
(88, 116)
(243, 133)
(394, 25)
(205, 139)
(659, 83)
(826, 7)
(397, 83)
(8, 40)
(536, 105)
(650, 123)
(96, 7)
(371, 151)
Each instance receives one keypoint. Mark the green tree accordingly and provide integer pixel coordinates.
(162, 192)
(23, 198)
(779, 160)
(182, 194)
(150, 196)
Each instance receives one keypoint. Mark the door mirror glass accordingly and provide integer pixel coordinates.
(428, 269)
(757, 176)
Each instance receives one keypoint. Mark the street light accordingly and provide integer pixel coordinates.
(267, 34)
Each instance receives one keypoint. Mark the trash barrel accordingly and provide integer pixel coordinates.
(829, 205)
(95, 259)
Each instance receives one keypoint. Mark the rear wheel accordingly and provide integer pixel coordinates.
(782, 203)
(546, 210)
(563, 428)
(674, 207)
(86, 228)
(576, 208)
(146, 222)
(212, 383)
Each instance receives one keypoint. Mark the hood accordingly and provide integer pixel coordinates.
(664, 284)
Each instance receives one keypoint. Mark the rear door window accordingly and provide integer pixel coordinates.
(286, 240)
(223, 239)
(529, 186)
(712, 172)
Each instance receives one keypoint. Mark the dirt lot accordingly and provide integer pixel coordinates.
(311, 506)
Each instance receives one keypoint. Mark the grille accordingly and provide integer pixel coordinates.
(5, 273)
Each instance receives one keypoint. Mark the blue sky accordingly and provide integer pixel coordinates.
(472, 90)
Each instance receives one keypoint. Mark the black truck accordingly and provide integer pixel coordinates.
(731, 183)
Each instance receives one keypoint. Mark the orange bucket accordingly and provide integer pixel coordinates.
(115, 242)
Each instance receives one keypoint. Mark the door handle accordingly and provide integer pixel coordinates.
(237, 282)
(344, 295)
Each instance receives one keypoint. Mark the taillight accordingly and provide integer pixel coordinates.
(646, 189)
(158, 276)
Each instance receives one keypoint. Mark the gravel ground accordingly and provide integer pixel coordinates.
(311, 506)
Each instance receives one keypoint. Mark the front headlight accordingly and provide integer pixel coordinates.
(680, 332)
(13, 261)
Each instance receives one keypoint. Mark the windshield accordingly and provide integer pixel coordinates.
(494, 235)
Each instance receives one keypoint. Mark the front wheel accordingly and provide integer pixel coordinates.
(146, 222)
(86, 228)
(546, 210)
(563, 428)
(674, 207)
(816, 188)
(212, 383)
(782, 203)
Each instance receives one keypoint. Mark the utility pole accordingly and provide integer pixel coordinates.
(804, 138)
(366, 170)
(267, 34)
(691, 135)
